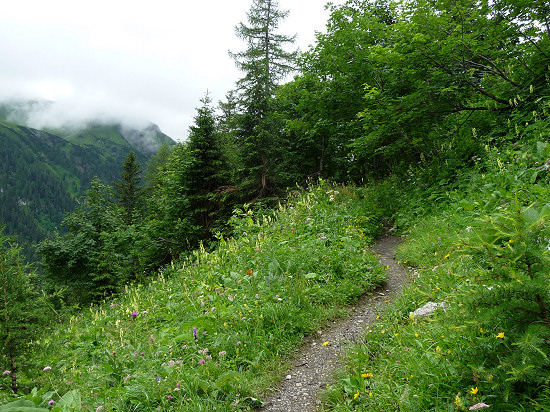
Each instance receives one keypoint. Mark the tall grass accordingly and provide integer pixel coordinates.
(214, 331)
(483, 252)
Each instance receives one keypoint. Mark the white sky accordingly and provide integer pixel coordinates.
(135, 60)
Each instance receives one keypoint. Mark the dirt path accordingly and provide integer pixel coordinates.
(313, 367)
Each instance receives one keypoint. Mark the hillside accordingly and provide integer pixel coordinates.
(44, 172)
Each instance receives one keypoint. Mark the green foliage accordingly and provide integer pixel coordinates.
(265, 62)
(508, 286)
(211, 331)
(479, 245)
(127, 190)
(42, 173)
(100, 253)
(206, 177)
(391, 83)
(22, 312)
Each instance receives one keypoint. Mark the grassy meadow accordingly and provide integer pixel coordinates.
(212, 332)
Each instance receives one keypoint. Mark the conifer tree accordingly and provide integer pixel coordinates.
(127, 190)
(206, 173)
(154, 167)
(265, 62)
(21, 308)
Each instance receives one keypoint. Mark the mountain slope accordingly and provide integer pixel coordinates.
(43, 173)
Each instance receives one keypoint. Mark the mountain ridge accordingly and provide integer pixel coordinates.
(44, 171)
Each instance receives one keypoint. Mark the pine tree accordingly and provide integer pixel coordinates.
(265, 62)
(206, 174)
(127, 190)
(154, 167)
(21, 308)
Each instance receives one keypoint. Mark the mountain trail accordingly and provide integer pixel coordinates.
(314, 365)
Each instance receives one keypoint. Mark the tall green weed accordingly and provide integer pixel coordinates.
(213, 331)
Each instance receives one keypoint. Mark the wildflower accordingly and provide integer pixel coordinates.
(51, 402)
(500, 335)
(474, 391)
(458, 401)
(195, 333)
(356, 395)
(480, 330)
(325, 343)
(239, 343)
(99, 408)
(133, 314)
(68, 383)
(366, 375)
(249, 272)
(6, 372)
(479, 406)
(222, 354)
(447, 256)
(47, 368)
(201, 362)
(159, 379)
(170, 397)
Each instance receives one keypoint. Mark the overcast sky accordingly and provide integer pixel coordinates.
(148, 60)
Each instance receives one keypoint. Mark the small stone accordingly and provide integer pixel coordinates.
(429, 308)
(288, 377)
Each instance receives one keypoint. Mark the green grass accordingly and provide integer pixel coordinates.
(483, 250)
(215, 331)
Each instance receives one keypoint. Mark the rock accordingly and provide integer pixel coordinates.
(429, 308)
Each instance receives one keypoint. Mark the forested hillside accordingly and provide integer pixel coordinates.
(206, 266)
(44, 173)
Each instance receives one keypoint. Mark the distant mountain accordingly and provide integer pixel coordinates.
(44, 172)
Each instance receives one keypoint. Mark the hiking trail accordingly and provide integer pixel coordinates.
(313, 365)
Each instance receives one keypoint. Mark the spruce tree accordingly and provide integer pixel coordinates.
(127, 190)
(265, 62)
(21, 308)
(206, 173)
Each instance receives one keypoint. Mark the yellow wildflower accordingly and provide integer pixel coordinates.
(356, 395)
(325, 343)
(366, 375)
(500, 335)
(474, 391)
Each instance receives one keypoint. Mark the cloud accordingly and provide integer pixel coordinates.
(138, 61)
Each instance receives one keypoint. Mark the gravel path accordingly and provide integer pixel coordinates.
(313, 367)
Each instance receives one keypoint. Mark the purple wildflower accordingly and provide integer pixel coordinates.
(195, 333)
(133, 314)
